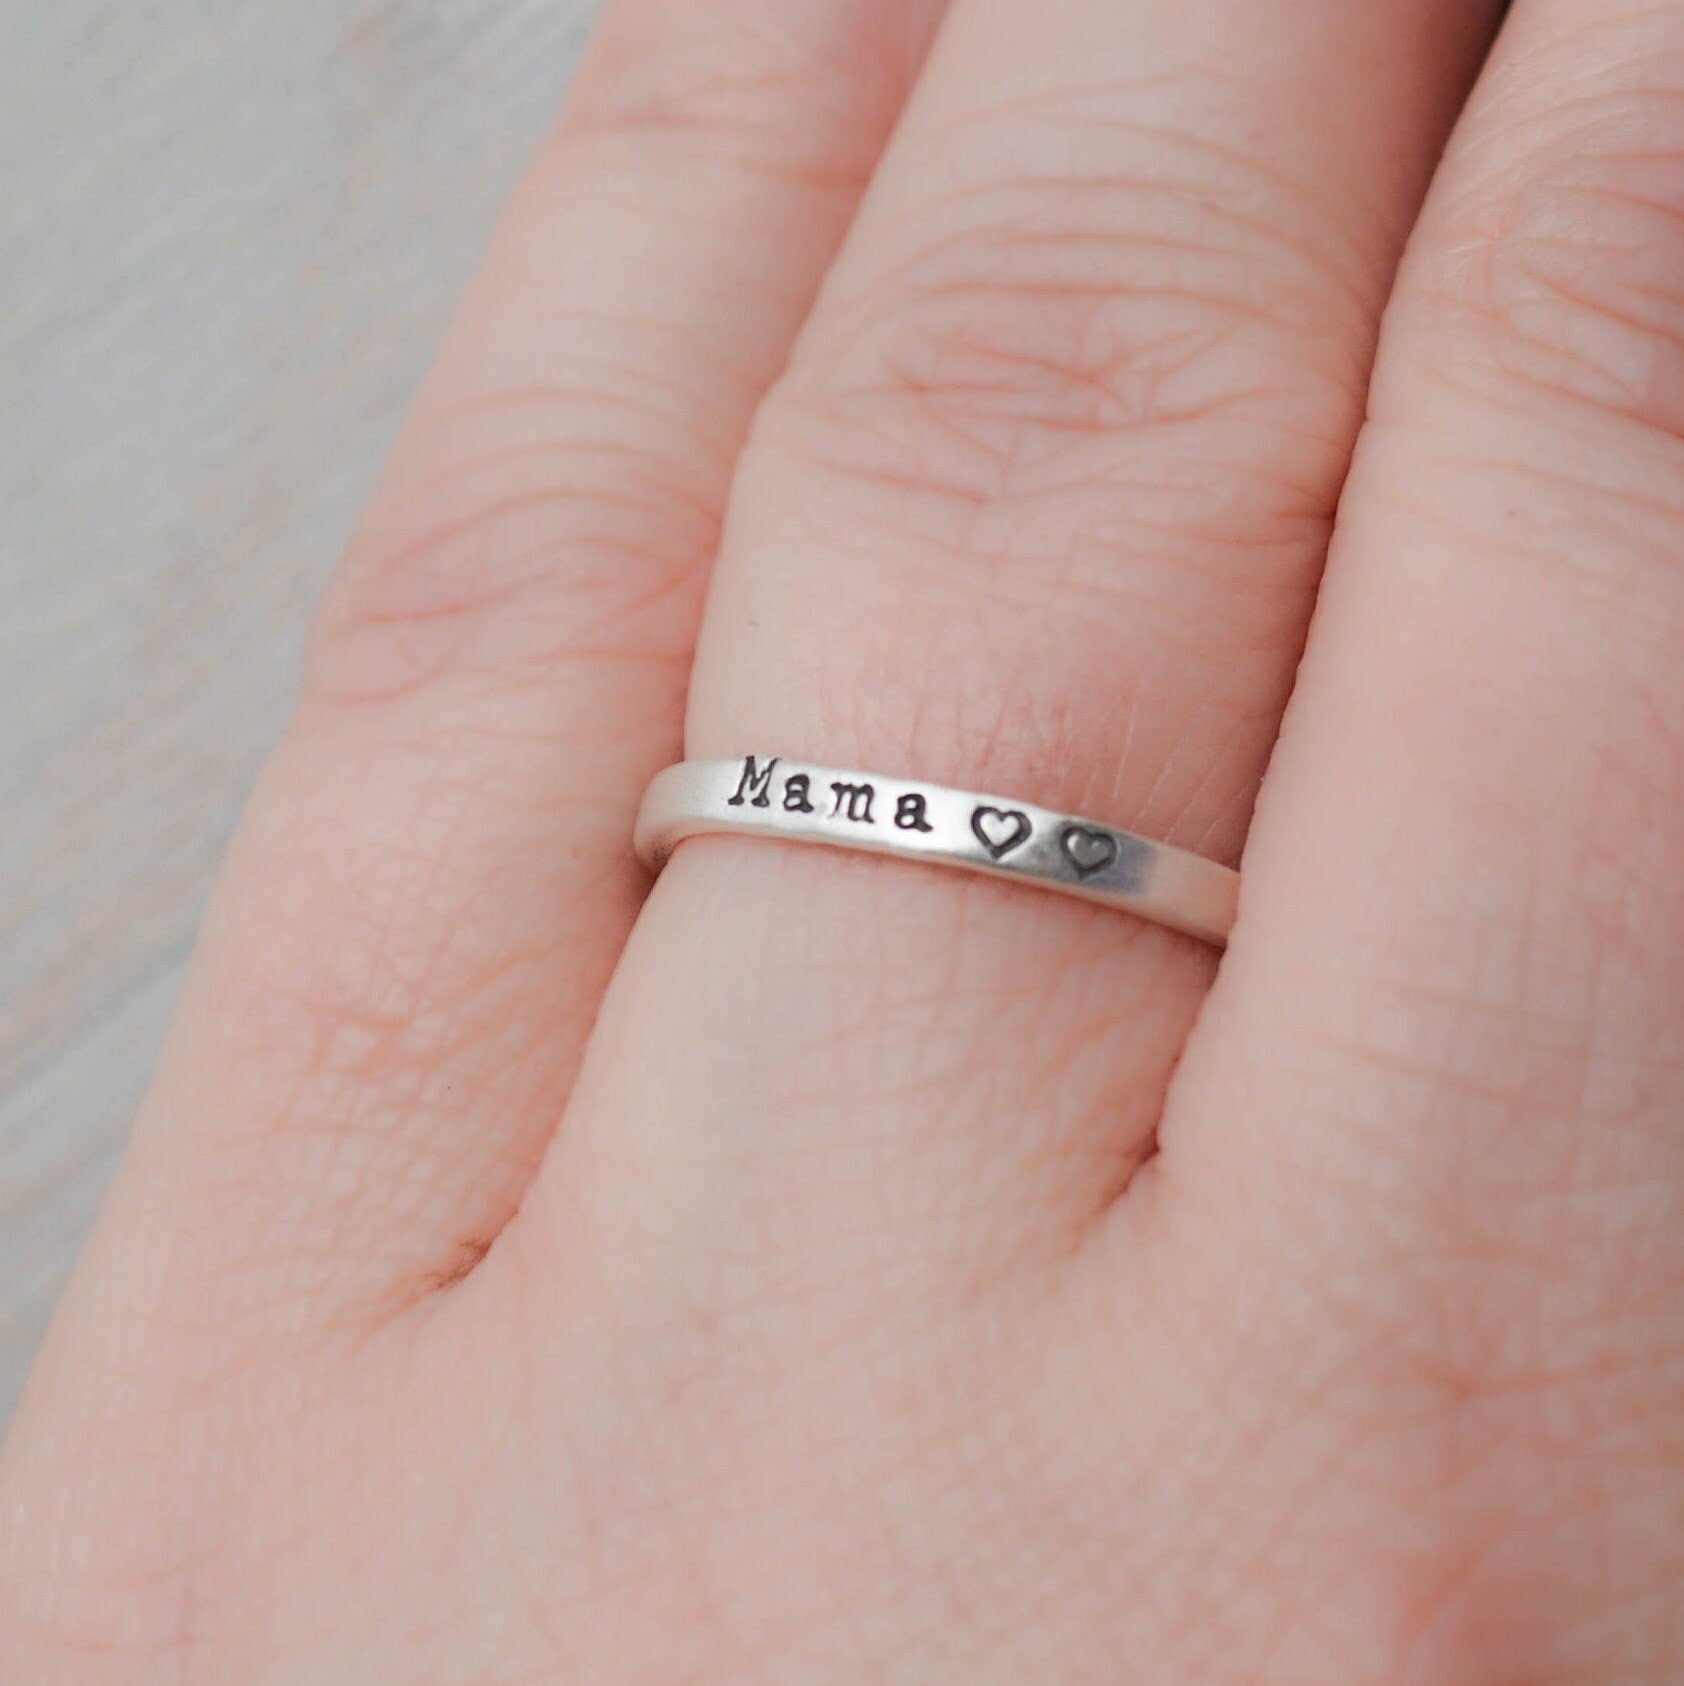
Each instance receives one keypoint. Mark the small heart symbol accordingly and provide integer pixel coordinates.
(1088, 851)
(1000, 830)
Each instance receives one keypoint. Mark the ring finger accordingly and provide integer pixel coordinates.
(1040, 508)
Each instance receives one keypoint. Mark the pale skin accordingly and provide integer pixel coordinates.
(827, 1269)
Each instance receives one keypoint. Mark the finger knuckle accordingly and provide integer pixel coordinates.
(1556, 267)
(541, 531)
(789, 85)
(1029, 330)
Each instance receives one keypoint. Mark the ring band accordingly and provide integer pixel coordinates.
(769, 796)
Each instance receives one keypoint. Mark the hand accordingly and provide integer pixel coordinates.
(891, 1275)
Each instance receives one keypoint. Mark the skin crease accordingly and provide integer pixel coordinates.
(890, 1276)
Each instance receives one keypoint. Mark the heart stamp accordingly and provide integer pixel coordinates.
(1000, 830)
(1087, 850)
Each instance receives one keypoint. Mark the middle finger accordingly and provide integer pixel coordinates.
(1040, 508)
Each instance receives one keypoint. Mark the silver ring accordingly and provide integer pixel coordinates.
(769, 796)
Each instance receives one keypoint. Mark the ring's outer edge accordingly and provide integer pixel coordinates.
(800, 801)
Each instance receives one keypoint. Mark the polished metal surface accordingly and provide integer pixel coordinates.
(799, 802)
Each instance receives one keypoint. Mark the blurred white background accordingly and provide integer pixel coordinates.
(230, 231)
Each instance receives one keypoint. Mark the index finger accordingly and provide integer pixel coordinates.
(433, 878)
